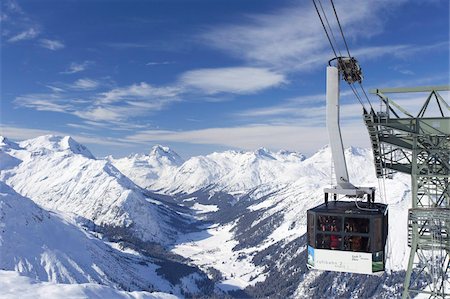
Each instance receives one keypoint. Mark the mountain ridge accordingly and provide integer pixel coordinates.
(237, 216)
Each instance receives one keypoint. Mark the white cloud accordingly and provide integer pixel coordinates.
(20, 133)
(295, 137)
(124, 45)
(139, 92)
(106, 113)
(3, 17)
(114, 125)
(51, 44)
(292, 38)
(12, 6)
(240, 80)
(308, 110)
(115, 105)
(151, 63)
(28, 34)
(123, 103)
(77, 67)
(44, 102)
(54, 88)
(85, 84)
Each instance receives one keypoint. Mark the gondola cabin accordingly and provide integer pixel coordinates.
(346, 237)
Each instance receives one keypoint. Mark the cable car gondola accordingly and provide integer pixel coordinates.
(348, 237)
(345, 236)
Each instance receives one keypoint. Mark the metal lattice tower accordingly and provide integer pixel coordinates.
(420, 146)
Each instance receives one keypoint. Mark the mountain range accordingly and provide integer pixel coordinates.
(228, 224)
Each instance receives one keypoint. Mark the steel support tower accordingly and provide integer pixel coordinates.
(418, 145)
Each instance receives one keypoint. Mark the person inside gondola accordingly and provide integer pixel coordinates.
(334, 239)
(334, 242)
(356, 243)
(323, 241)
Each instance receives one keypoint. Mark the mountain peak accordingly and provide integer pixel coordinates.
(160, 149)
(164, 152)
(54, 143)
(6, 143)
(291, 155)
(265, 153)
(75, 147)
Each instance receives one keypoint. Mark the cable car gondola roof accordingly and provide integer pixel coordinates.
(350, 208)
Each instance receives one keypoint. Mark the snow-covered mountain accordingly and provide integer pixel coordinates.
(101, 227)
(264, 228)
(259, 201)
(147, 169)
(60, 174)
(13, 286)
(48, 247)
(231, 171)
(241, 214)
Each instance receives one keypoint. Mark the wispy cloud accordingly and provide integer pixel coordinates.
(114, 125)
(51, 44)
(18, 26)
(75, 67)
(28, 34)
(292, 38)
(55, 88)
(151, 63)
(132, 45)
(137, 92)
(85, 84)
(308, 110)
(404, 70)
(54, 102)
(22, 133)
(298, 137)
(238, 80)
(114, 105)
(123, 103)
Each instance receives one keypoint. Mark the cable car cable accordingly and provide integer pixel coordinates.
(324, 28)
(340, 28)
(347, 48)
(355, 92)
(329, 27)
(365, 94)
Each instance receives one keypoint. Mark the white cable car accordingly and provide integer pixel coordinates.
(345, 236)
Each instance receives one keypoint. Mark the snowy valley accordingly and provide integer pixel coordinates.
(225, 225)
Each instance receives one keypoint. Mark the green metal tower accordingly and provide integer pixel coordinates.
(420, 146)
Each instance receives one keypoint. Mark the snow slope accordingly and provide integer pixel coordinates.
(60, 174)
(48, 247)
(231, 171)
(272, 214)
(14, 286)
(255, 203)
(146, 169)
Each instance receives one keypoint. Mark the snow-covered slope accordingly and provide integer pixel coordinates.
(231, 171)
(48, 247)
(60, 174)
(144, 170)
(13, 286)
(271, 218)
(253, 243)
(234, 171)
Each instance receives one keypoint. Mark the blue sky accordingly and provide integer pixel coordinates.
(202, 76)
